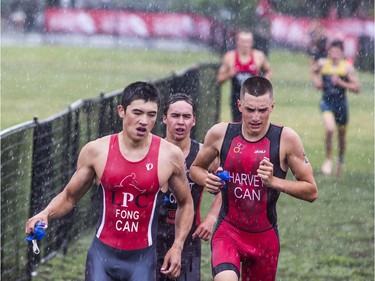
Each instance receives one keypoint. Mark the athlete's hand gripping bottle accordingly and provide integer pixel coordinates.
(224, 175)
(38, 234)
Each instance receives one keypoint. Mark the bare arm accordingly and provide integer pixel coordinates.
(315, 74)
(293, 157)
(266, 67)
(352, 84)
(206, 155)
(205, 229)
(185, 210)
(208, 158)
(78, 185)
(184, 214)
(226, 69)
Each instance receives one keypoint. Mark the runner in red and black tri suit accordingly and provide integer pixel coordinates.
(247, 222)
(240, 64)
(257, 156)
(133, 168)
(126, 233)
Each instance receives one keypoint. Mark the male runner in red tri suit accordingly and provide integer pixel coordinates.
(133, 168)
(257, 155)
(240, 64)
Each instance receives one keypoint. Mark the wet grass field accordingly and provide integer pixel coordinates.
(330, 239)
(44, 80)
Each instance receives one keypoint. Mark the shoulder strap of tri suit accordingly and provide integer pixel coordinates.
(194, 148)
(274, 135)
(233, 129)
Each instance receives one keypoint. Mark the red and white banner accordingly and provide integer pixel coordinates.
(128, 23)
(295, 31)
(284, 29)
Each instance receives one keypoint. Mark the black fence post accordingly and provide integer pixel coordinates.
(365, 58)
(40, 166)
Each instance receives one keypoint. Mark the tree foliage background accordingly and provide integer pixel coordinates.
(235, 13)
(241, 12)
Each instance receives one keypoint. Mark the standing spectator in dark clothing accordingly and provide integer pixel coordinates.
(318, 43)
(262, 31)
(31, 11)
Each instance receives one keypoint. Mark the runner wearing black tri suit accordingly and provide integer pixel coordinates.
(191, 255)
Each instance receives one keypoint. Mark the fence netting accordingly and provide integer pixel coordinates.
(38, 158)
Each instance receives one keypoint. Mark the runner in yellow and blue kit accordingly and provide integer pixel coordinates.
(334, 75)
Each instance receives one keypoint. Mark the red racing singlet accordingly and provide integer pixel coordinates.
(247, 203)
(243, 71)
(130, 192)
(250, 67)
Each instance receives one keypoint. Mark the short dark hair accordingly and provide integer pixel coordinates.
(140, 91)
(337, 44)
(257, 86)
(179, 97)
